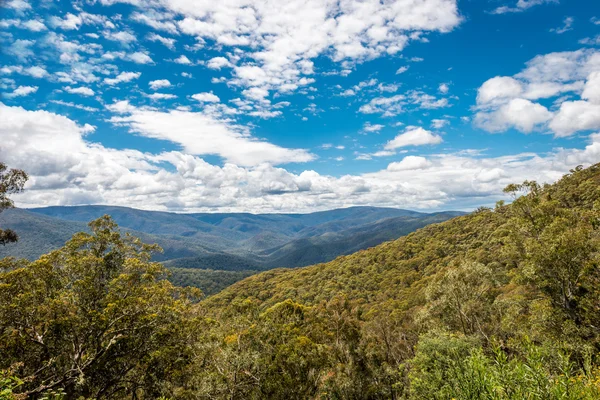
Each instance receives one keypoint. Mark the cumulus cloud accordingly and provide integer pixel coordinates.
(521, 114)
(124, 37)
(206, 97)
(74, 170)
(397, 104)
(122, 77)
(21, 91)
(506, 102)
(182, 59)
(202, 133)
(33, 25)
(409, 163)
(33, 71)
(140, 58)
(368, 127)
(439, 123)
(84, 91)
(167, 42)
(218, 63)
(158, 21)
(159, 83)
(162, 96)
(282, 47)
(522, 5)
(413, 136)
(21, 49)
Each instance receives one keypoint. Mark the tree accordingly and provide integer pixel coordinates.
(11, 182)
(95, 318)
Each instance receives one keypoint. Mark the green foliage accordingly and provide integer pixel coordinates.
(208, 281)
(430, 309)
(452, 367)
(11, 182)
(94, 318)
(8, 384)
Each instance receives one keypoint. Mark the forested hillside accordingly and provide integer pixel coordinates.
(502, 303)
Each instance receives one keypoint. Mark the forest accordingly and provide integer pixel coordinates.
(502, 303)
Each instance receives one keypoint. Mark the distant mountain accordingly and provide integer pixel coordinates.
(222, 243)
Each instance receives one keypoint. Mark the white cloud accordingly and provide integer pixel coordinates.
(122, 77)
(140, 58)
(69, 22)
(409, 163)
(84, 91)
(182, 59)
(21, 91)
(574, 116)
(402, 70)
(439, 123)
(167, 42)
(499, 88)
(161, 96)
(387, 106)
(591, 91)
(159, 83)
(567, 26)
(283, 47)
(201, 133)
(19, 5)
(206, 97)
(35, 71)
(157, 21)
(34, 25)
(74, 170)
(591, 41)
(513, 102)
(21, 49)
(413, 136)
(521, 5)
(521, 114)
(123, 37)
(218, 63)
(368, 127)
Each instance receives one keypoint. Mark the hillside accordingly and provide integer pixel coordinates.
(395, 273)
(502, 303)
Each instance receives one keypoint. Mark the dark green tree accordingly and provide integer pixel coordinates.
(95, 319)
(11, 182)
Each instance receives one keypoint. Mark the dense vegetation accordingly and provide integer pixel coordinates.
(503, 303)
(209, 281)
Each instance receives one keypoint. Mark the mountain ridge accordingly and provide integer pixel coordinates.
(240, 243)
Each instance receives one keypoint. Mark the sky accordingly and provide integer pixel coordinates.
(295, 105)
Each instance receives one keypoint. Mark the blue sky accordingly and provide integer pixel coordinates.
(296, 106)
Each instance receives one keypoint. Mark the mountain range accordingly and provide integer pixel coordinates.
(239, 243)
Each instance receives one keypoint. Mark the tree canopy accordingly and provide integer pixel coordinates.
(11, 181)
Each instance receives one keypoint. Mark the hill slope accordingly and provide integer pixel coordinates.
(394, 275)
(503, 303)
